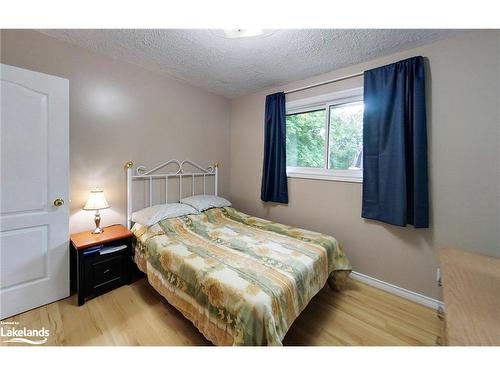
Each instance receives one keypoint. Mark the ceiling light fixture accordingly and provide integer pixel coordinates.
(242, 33)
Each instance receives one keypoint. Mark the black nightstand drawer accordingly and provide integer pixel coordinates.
(102, 273)
(106, 270)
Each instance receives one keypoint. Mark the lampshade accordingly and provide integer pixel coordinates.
(96, 201)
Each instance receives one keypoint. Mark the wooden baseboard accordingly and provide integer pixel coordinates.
(398, 291)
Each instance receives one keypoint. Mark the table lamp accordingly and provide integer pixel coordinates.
(97, 201)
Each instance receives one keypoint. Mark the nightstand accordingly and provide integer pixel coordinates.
(100, 262)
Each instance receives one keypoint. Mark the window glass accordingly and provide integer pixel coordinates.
(346, 136)
(305, 139)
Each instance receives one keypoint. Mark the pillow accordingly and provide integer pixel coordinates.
(204, 202)
(151, 215)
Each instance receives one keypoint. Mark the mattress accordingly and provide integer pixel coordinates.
(241, 280)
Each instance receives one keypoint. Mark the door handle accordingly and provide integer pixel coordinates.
(58, 202)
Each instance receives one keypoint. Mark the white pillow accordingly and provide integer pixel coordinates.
(151, 215)
(204, 202)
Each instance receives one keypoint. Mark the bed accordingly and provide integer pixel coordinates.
(239, 279)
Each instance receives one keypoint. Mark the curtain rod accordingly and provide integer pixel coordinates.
(325, 83)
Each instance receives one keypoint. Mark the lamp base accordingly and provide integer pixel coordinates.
(97, 231)
(97, 221)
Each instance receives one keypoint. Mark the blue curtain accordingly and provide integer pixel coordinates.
(274, 186)
(395, 181)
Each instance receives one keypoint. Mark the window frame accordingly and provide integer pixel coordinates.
(325, 102)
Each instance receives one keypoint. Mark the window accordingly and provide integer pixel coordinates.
(324, 137)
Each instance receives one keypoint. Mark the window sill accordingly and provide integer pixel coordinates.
(329, 175)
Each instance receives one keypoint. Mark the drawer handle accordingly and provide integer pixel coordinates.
(106, 270)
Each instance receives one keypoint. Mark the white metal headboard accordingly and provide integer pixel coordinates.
(141, 173)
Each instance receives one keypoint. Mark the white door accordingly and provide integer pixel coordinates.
(34, 132)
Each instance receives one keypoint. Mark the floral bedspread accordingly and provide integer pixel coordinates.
(241, 280)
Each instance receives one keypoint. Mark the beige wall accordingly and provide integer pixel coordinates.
(120, 112)
(463, 105)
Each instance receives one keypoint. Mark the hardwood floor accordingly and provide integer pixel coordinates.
(137, 315)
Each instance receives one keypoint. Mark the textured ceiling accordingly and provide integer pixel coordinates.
(234, 67)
